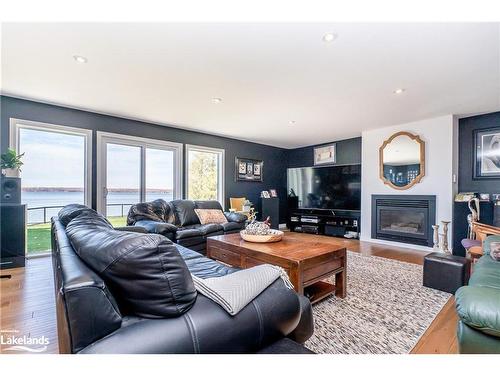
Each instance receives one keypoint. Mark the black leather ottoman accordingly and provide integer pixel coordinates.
(446, 272)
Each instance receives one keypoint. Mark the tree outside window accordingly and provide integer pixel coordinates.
(204, 175)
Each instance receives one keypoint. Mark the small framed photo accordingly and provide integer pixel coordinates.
(273, 193)
(265, 194)
(324, 154)
(487, 154)
(248, 169)
(242, 167)
(256, 169)
(485, 197)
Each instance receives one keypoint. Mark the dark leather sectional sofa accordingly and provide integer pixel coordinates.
(105, 277)
(178, 221)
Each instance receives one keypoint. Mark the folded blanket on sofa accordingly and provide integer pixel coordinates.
(236, 290)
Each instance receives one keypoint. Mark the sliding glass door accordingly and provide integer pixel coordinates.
(56, 172)
(134, 169)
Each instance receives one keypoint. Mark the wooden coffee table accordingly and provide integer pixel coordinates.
(307, 258)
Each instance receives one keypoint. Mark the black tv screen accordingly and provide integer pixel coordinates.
(337, 187)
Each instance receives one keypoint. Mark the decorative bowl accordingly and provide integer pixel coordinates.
(273, 236)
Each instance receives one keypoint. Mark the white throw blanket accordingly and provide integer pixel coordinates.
(236, 290)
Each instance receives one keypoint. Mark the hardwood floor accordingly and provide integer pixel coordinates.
(27, 301)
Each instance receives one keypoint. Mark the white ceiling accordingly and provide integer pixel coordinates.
(266, 74)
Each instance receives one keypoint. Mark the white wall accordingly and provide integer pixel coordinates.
(439, 135)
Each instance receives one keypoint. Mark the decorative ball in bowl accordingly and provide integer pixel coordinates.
(260, 232)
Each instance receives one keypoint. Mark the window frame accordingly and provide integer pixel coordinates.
(17, 124)
(105, 137)
(221, 155)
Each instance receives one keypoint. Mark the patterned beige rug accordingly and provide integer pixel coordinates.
(386, 310)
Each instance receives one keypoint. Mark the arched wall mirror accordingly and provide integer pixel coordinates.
(402, 160)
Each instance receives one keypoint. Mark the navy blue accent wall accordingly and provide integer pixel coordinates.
(348, 152)
(274, 158)
(467, 126)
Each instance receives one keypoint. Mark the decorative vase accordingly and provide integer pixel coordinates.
(435, 237)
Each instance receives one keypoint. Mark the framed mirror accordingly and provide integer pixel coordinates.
(402, 160)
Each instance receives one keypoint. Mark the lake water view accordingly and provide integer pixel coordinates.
(36, 199)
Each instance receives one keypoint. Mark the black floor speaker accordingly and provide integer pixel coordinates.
(10, 188)
(13, 235)
(270, 207)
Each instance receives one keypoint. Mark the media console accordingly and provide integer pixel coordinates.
(327, 222)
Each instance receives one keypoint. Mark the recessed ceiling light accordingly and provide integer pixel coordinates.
(292, 122)
(216, 100)
(80, 59)
(399, 91)
(329, 37)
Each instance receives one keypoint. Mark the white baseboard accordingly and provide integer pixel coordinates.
(398, 244)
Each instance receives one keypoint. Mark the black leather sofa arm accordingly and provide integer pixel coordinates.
(157, 227)
(235, 217)
(305, 328)
(207, 328)
(131, 228)
(479, 308)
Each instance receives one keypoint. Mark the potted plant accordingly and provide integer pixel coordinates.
(11, 163)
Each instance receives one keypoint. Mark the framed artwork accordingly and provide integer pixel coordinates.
(248, 169)
(487, 153)
(265, 194)
(324, 154)
(273, 193)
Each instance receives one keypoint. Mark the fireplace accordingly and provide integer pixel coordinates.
(404, 218)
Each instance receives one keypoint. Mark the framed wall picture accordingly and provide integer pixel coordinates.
(248, 169)
(487, 153)
(324, 154)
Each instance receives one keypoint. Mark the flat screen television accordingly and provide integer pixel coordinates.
(332, 188)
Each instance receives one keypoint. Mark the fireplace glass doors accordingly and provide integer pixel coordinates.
(405, 218)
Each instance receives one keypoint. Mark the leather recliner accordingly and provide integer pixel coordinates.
(91, 320)
(478, 306)
(177, 220)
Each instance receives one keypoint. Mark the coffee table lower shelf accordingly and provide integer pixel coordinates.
(318, 291)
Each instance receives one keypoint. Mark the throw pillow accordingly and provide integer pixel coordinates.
(495, 250)
(210, 216)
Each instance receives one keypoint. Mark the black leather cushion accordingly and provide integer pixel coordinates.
(187, 253)
(232, 226)
(145, 272)
(71, 211)
(184, 211)
(236, 217)
(157, 210)
(208, 205)
(206, 268)
(208, 229)
(183, 233)
(157, 227)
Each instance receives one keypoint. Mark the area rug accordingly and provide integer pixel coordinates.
(386, 310)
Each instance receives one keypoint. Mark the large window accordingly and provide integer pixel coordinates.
(205, 173)
(134, 169)
(56, 172)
